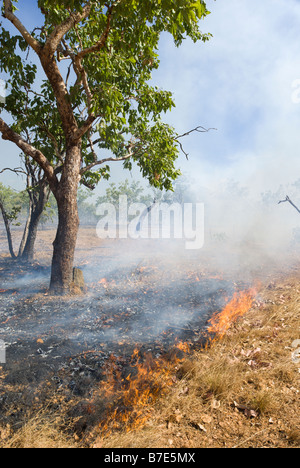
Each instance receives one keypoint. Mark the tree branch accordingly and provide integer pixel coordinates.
(8, 14)
(35, 154)
(198, 129)
(289, 201)
(61, 30)
(17, 170)
(58, 153)
(64, 106)
(103, 161)
(102, 41)
(85, 127)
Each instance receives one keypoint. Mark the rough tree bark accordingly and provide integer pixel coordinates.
(68, 223)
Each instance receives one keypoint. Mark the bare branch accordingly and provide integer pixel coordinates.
(289, 201)
(8, 13)
(17, 170)
(198, 129)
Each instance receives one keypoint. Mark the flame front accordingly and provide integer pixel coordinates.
(237, 307)
(132, 398)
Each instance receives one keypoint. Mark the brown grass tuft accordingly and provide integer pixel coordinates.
(42, 431)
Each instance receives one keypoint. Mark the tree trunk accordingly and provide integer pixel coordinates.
(68, 224)
(8, 231)
(25, 232)
(27, 254)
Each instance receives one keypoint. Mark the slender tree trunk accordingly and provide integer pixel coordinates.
(8, 231)
(27, 253)
(25, 232)
(68, 224)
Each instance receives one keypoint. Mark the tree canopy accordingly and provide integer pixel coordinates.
(102, 54)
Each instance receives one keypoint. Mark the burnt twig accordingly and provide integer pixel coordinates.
(198, 129)
(287, 199)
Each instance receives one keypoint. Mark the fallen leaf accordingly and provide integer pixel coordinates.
(252, 363)
(206, 418)
(250, 413)
(184, 391)
(198, 426)
(202, 428)
(215, 404)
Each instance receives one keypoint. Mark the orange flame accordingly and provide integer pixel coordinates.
(131, 398)
(237, 307)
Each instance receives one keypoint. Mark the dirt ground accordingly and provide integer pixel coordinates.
(74, 377)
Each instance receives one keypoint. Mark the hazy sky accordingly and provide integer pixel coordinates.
(243, 83)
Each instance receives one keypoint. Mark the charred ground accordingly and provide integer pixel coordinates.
(141, 300)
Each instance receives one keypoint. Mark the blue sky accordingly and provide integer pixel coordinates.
(240, 83)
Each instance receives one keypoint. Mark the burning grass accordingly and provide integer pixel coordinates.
(241, 389)
(238, 306)
(130, 399)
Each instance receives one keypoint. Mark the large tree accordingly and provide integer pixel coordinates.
(97, 58)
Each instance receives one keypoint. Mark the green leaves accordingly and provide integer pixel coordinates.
(106, 62)
(11, 202)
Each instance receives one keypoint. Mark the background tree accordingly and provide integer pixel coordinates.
(134, 192)
(98, 57)
(10, 207)
(33, 200)
(38, 193)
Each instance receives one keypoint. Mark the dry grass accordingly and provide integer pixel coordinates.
(241, 392)
(42, 431)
